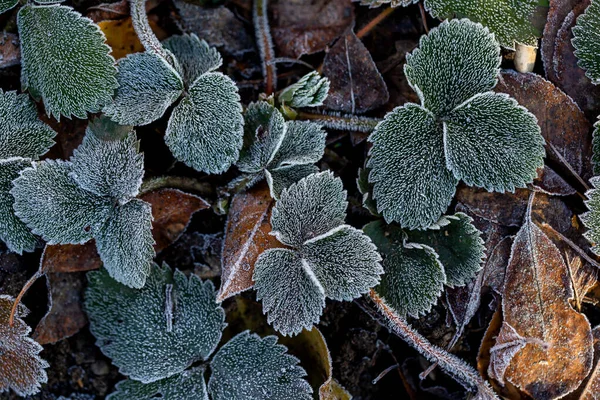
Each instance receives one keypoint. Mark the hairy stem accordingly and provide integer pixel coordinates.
(26, 287)
(341, 122)
(177, 182)
(365, 30)
(144, 32)
(265, 44)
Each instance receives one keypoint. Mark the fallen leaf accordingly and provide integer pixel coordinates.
(121, 37)
(62, 258)
(10, 53)
(356, 84)
(549, 182)
(557, 354)
(303, 27)
(505, 209)
(108, 11)
(246, 237)
(591, 387)
(583, 277)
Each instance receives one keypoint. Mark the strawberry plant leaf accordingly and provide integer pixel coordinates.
(303, 143)
(125, 243)
(148, 85)
(587, 47)
(6, 5)
(195, 56)
(310, 91)
(188, 385)
(206, 128)
(145, 338)
(284, 177)
(253, 368)
(596, 148)
(591, 219)
(76, 81)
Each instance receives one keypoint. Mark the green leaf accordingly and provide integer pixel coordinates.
(195, 56)
(393, 3)
(125, 243)
(414, 277)
(111, 168)
(303, 143)
(157, 331)
(459, 245)
(148, 85)
(284, 177)
(206, 129)
(6, 5)
(64, 60)
(264, 132)
(22, 134)
(411, 182)
(494, 143)
(51, 203)
(252, 368)
(13, 231)
(585, 41)
(310, 91)
(188, 385)
(454, 62)
(596, 148)
(591, 219)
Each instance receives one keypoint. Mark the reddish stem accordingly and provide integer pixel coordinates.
(26, 287)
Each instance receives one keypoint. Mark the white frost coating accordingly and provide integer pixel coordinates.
(591, 219)
(284, 177)
(81, 75)
(252, 368)
(585, 41)
(195, 56)
(135, 337)
(310, 91)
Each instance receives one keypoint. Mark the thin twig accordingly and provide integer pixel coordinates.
(365, 30)
(265, 44)
(423, 17)
(569, 166)
(38, 274)
(577, 249)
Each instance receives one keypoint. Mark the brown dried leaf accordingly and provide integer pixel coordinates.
(590, 390)
(549, 182)
(246, 237)
(121, 37)
(107, 11)
(505, 209)
(10, 52)
(305, 27)
(356, 84)
(583, 278)
(558, 353)
(70, 258)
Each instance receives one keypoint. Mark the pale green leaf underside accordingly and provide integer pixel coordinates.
(51, 203)
(6, 5)
(586, 40)
(22, 134)
(195, 56)
(125, 243)
(284, 177)
(157, 331)
(188, 385)
(252, 368)
(310, 91)
(148, 85)
(414, 278)
(206, 129)
(64, 60)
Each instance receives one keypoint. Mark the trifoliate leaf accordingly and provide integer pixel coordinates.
(157, 331)
(22, 134)
(125, 243)
(21, 368)
(454, 62)
(13, 231)
(206, 129)
(303, 143)
(65, 60)
(264, 132)
(310, 208)
(252, 368)
(310, 91)
(51, 203)
(411, 183)
(188, 385)
(195, 56)
(6, 5)
(148, 85)
(585, 41)
(459, 246)
(414, 278)
(284, 177)
(111, 168)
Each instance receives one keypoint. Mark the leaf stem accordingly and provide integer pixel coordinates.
(365, 30)
(177, 182)
(144, 32)
(265, 44)
(38, 274)
(341, 121)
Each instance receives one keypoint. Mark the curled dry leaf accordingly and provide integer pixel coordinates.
(556, 340)
(591, 387)
(246, 237)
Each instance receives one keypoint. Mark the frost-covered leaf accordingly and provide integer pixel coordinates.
(459, 246)
(494, 143)
(303, 143)
(264, 132)
(414, 277)
(411, 183)
(591, 219)
(312, 207)
(206, 129)
(195, 56)
(111, 168)
(310, 91)
(188, 385)
(6, 5)
(13, 231)
(148, 85)
(65, 61)
(596, 148)
(454, 62)
(252, 368)
(157, 331)
(125, 243)
(51, 203)
(586, 43)
(284, 177)
(22, 134)
(21, 368)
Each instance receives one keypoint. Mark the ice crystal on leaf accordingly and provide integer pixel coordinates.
(310, 91)
(282, 152)
(585, 41)
(188, 385)
(325, 258)
(591, 219)
(65, 61)
(461, 130)
(195, 56)
(6, 5)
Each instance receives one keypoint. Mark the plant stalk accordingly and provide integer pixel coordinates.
(265, 44)
(142, 28)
